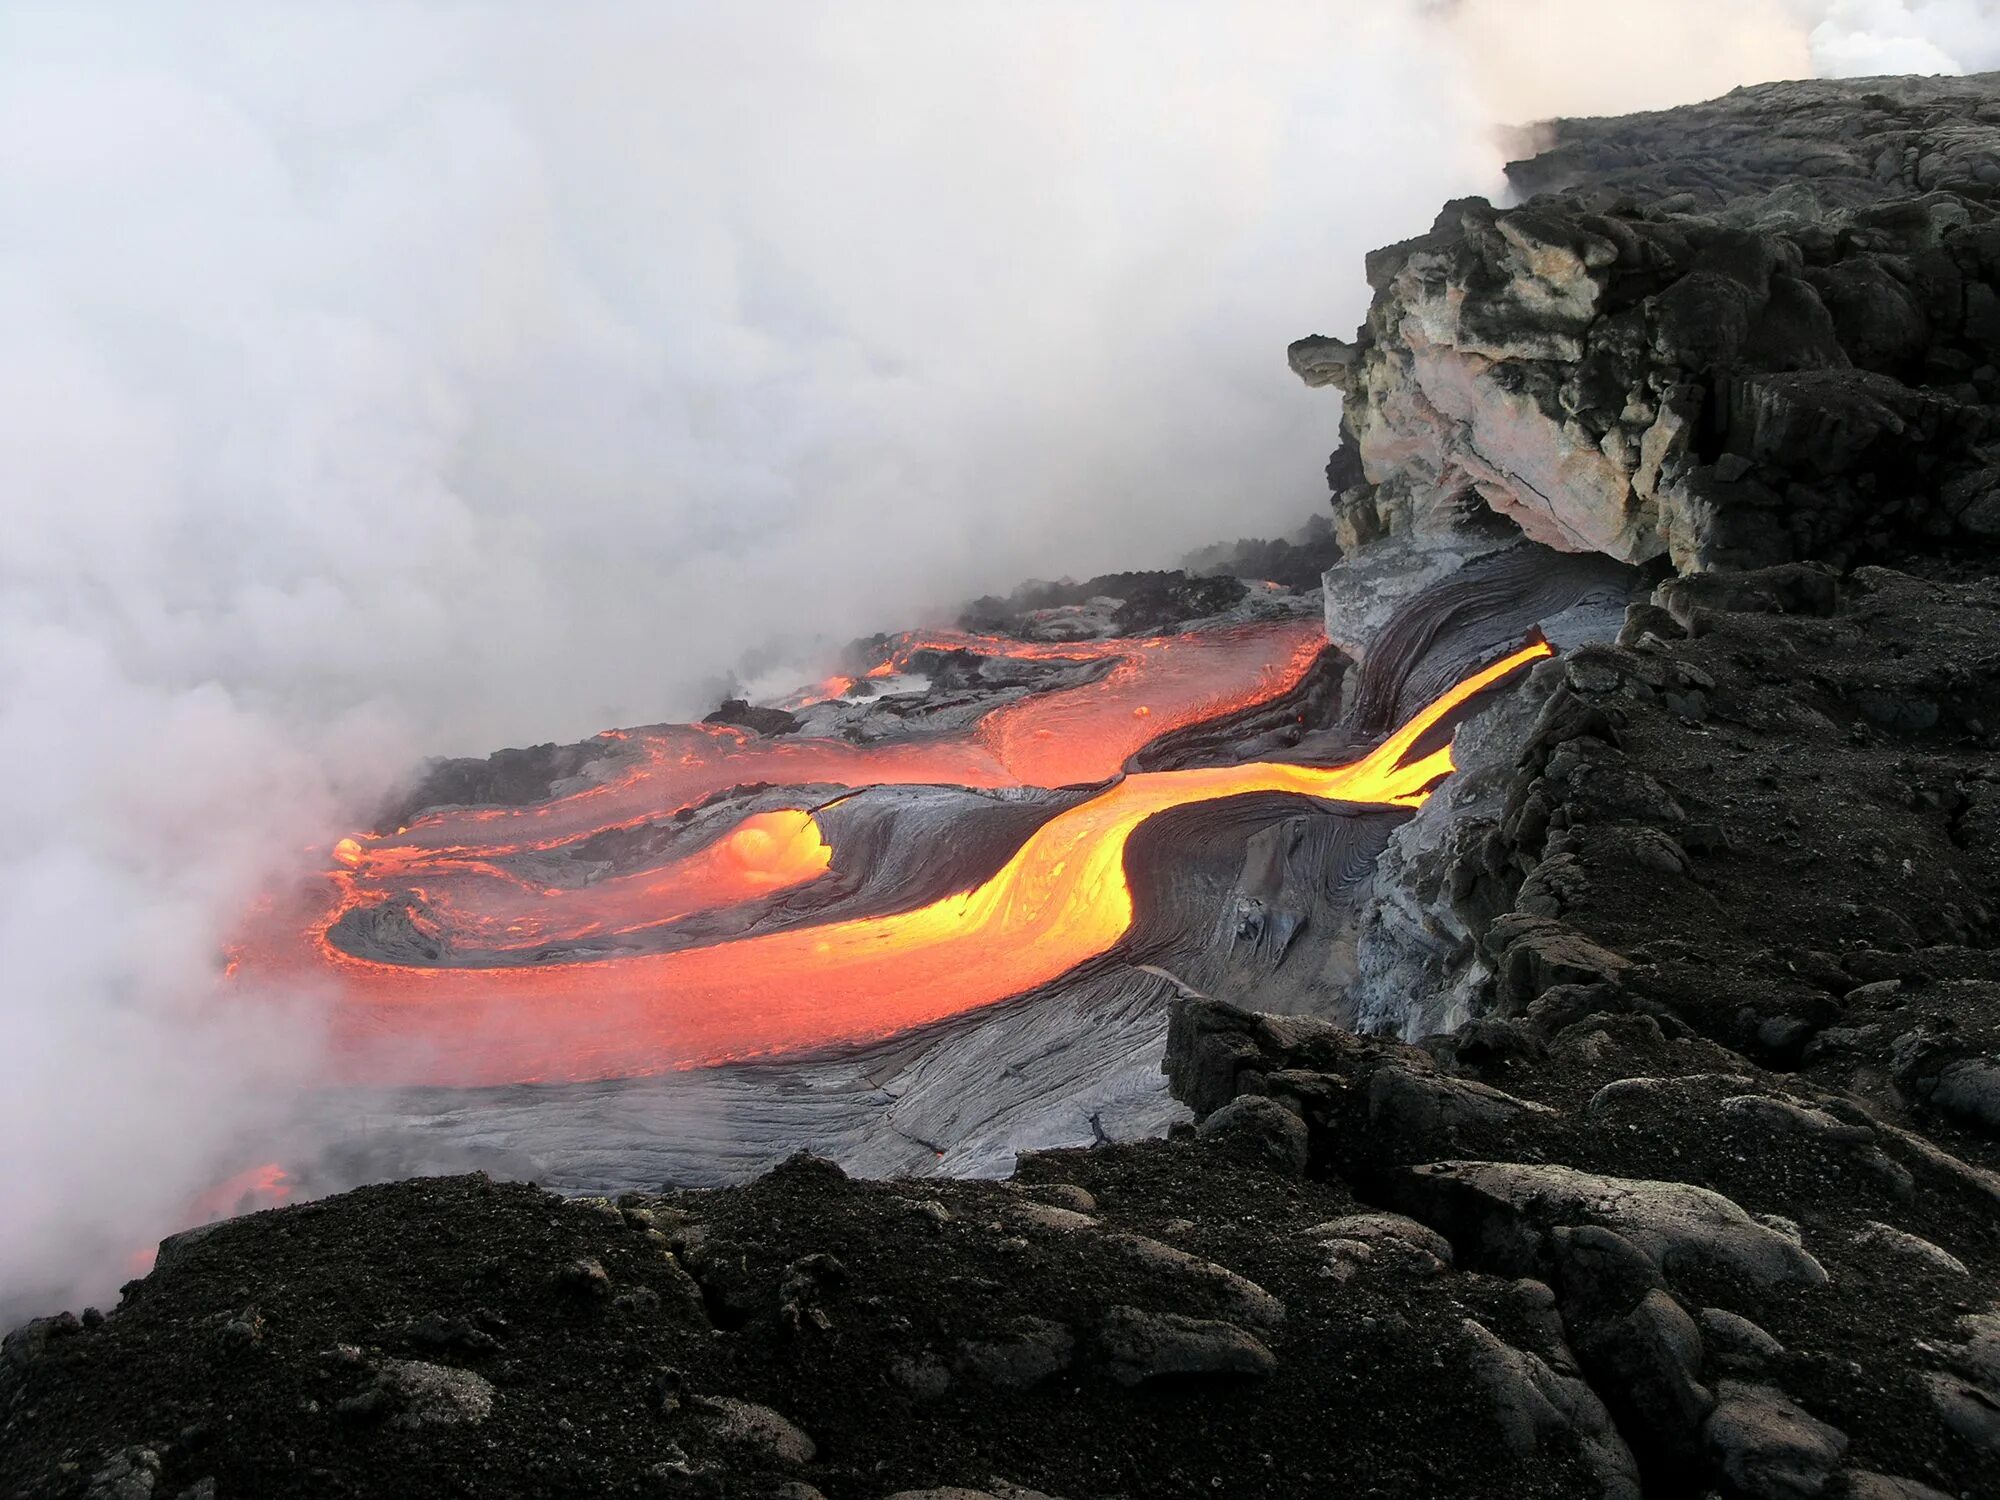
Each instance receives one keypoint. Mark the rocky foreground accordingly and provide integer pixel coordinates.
(1697, 1193)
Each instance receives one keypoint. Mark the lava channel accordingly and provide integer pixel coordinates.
(1061, 900)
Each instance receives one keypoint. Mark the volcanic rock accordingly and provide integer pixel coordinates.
(1510, 1207)
(1700, 1190)
(1261, 1129)
(1917, 1248)
(746, 1425)
(1719, 375)
(435, 1395)
(1734, 1340)
(1536, 1405)
(1144, 1346)
(1393, 1228)
(129, 1474)
(758, 719)
(1025, 1355)
(1768, 1446)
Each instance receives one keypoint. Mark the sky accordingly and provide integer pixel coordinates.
(425, 378)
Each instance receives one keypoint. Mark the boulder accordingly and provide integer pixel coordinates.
(1262, 1130)
(1241, 1296)
(1507, 1209)
(1969, 1409)
(754, 1428)
(1023, 1356)
(1535, 1405)
(1876, 1235)
(1768, 1446)
(1378, 1228)
(1143, 1346)
(430, 1395)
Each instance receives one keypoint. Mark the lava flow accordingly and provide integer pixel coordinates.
(1060, 900)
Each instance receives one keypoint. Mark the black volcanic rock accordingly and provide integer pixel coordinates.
(1704, 1196)
(506, 778)
(1180, 1337)
(1757, 330)
(1147, 601)
(1849, 142)
(745, 715)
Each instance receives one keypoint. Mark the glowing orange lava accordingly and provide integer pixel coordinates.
(1061, 900)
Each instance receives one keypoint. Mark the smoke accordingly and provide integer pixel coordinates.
(1536, 59)
(426, 377)
(1865, 38)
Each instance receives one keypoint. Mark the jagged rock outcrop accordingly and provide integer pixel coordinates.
(1768, 330)
(1727, 1087)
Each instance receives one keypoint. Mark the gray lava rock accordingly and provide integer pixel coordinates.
(1422, 1106)
(1862, 1484)
(1652, 1357)
(26, 1344)
(1536, 1405)
(428, 1395)
(1244, 1298)
(1048, 1216)
(1968, 1409)
(1716, 380)
(1508, 1207)
(747, 1425)
(584, 1279)
(1969, 1091)
(1061, 1194)
(1394, 1229)
(1770, 1447)
(924, 1376)
(1735, 1341)
(1144, 1346)
(1533, 955)
(1263, 1129)
(1024, 1356)
(129, 1474)
(1979, 1355)
(1879, 1236)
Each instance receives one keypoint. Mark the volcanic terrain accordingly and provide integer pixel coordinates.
(1498, 1001)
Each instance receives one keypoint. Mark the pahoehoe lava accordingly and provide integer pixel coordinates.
(1058, 900)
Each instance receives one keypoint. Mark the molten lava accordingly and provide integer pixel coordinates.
(1061, 900)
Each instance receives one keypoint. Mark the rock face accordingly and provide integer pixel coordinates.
(1513, 1208)
(1762, 330)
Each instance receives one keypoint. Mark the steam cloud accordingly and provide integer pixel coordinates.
(1861, 38)
(423, 378)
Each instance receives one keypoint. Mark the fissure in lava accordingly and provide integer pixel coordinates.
(1060, 900)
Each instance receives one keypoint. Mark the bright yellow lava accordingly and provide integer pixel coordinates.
(1061, 900)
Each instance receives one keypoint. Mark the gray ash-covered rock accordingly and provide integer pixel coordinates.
(1208, 582)
(1770, 330)
(1182, 1338)
(1136, 603)
(506, 778)
(1723, 1094)
(756, 718)
(1852, 142)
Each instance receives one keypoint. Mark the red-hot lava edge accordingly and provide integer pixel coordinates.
(1060, 900)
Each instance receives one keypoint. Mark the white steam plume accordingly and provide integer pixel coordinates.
(1863, 38)
(426, 377)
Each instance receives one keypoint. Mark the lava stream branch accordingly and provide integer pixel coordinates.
(1062, 899)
